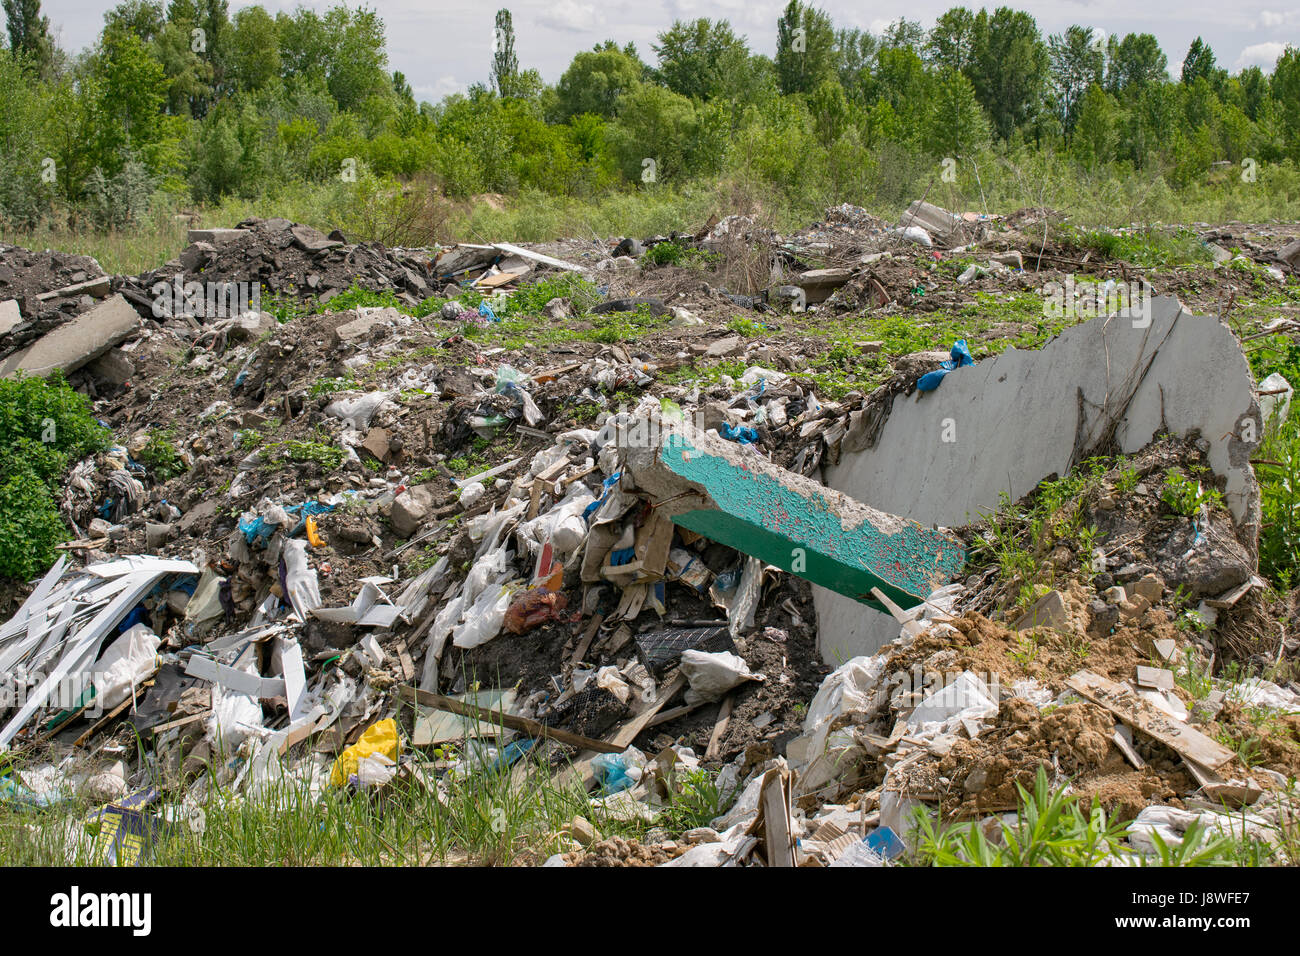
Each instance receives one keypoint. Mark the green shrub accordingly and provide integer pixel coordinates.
(44, 427)
(159, 455)
(664, 254)
(30, 526)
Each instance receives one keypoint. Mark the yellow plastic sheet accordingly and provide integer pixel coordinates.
(380, 738)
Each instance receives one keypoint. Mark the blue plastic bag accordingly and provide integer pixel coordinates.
(611, 772)
(960, 357)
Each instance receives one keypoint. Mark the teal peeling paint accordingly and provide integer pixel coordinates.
(762, 517)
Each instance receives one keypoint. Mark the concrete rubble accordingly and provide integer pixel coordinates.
(397, 548)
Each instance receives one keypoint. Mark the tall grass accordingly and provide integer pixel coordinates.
(500, 818)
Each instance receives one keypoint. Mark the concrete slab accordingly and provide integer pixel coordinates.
(715, 488)
(942, 458)
(10, 316)
(356, 329)
(818, 284)
(97, 287)
(75, 343)
(938, 222)
(214, 236)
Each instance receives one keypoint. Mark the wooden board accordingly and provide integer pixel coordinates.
(719, 727)
(523, 724)
(1121, 701)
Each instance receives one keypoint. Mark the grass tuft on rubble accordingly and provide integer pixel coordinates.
(1054, 827)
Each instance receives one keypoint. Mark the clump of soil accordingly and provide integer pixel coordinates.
(617, 851)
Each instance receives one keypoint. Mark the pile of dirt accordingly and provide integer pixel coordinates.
(289, 260)
(982, 776)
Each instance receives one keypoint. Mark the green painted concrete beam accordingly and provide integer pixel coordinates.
(807, 529)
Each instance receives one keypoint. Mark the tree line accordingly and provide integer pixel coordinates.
(183, 98)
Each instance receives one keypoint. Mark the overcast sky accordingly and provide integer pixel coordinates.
(444, 46)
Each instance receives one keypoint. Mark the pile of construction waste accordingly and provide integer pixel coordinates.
(383, 541)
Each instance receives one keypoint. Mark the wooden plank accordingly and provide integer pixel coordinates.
(628, 732)
(181, 722)
(580, 475)
(581, 650)
(523, 724)
(1140, 715)
(404, 659)
(774, 815)
(130, 701)
(672, 713)
(548, 475)
(1126, 748)
(498, 279)
(719, 727)
(61, 724)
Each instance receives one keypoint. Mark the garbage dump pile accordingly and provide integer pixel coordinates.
(336, 581)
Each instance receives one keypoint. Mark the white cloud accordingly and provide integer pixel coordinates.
(445, 86)
(1261, 54)
(1271, 19)
(570, 16)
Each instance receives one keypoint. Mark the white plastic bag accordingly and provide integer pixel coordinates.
(128, 661)
(712, 675)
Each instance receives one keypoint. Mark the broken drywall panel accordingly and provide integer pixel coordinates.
(942, 458)
(234, 679)
(719, 489)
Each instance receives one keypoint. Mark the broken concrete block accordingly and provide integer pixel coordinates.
(818, 284)
(410, 508)
(97, 287)
(1048, 611)
(713, 487)
(10, 316)
(582, 831)
(1290, 253)
(1149, 586)
(359, 328)
(1102, 617)
(723, 347)
(1012, 259)
(1157, 678)
(312, 240)
(156, 535)
(1133, 608)
(939, 223)
(75, 343)
(114, 367)
(215, 236)
(196, 254)
(1177, 369)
